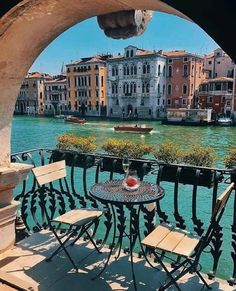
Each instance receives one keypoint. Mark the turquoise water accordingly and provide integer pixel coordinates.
(34, 132)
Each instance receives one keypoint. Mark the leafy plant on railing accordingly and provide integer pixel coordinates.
(230, 159)
(199, 156)
(169, 153)
(80, 144)
(122, 148)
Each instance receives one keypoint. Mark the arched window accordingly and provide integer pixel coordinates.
(112, 88)
(159, 70)
(113, 71)
(158, 89)
(127, 54)
(127, 70)
(148, 69)
(185, 89)
(144, 69)
(147, 87)
(131, 88)
(185, 70)
(143, 88)
(135, 70)
(169, 89)
(164, 89)
(164, 71)
(131, 70)
(116, 71)
(170, 71)
(135, 86)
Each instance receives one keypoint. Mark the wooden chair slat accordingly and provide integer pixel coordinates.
(46, 169)
(50, 177)
(222, 199)
(186, 245)
(78, 216)
(170, 242)
(157, 235)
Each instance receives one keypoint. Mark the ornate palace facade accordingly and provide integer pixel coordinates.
(136, 84)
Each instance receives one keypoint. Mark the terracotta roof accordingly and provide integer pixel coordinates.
(38, 75)
(180, 53)
(88, 60)
(56, 81)
(139, 53)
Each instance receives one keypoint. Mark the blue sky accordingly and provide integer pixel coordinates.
(166, 32)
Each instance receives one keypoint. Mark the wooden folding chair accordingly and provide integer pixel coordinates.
(77, 220)
(188, 247)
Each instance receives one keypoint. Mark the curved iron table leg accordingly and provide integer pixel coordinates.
(112, 244)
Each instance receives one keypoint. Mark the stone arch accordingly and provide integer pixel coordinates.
(27, 28)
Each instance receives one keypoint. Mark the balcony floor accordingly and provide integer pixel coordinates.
(27, 261)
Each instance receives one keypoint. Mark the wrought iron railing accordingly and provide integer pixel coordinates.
(190, 195)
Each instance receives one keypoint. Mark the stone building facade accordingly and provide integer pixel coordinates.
(218, 64)
(86, 80)
(217, 94)
(184, 74)
(136, 84)
(30, 99)
(55, 101)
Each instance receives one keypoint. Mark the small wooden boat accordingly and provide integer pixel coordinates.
(133, 128)
(225, 121)
(75, 119)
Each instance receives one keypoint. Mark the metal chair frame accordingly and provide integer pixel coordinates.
(72, 231)
(191, 263)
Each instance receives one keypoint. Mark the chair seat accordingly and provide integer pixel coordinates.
(78, 216)
(174, 240)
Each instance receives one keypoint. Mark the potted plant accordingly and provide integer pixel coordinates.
(120, 149)
(230, 163)
(74, 150)
(191, 170)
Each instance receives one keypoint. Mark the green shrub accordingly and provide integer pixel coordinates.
(120, 148)
(80, 144)
(230, 159)
(169, 153)
(200, 156)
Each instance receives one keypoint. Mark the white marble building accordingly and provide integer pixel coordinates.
(136, 84)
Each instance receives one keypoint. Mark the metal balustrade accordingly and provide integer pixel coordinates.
(190, 195)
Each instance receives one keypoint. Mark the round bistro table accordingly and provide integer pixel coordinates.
(114, 194)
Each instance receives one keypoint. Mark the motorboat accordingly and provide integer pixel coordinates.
(225, 121)
(75, 119)
(133, 128)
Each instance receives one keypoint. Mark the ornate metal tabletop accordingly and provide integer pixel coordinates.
(113, 191)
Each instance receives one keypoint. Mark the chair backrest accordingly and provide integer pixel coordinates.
(49, 173)
(215, 219)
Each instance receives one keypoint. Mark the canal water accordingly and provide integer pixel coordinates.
(36, 132)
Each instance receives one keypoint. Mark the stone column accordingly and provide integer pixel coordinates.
(10, 177)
